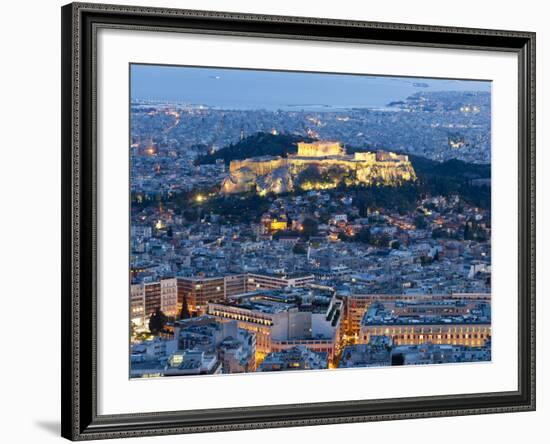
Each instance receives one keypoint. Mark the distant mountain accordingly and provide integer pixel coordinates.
(259, 144)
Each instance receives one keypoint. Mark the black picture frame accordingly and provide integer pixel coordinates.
(80, 420)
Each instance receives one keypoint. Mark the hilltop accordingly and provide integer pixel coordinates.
(257, 145)
(317, 165)
(266, 144)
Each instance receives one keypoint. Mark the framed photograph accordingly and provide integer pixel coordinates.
(278, 221)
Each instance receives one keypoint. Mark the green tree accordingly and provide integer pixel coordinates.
(157, 321)
(299, 248)
(425, 260)
(190, 215)
(185, 313)
(468, 235)
(384, 240)
(344, 237)
(420, 222)
(259, 144)
(364, 235)
(133, 331)
(310, 227)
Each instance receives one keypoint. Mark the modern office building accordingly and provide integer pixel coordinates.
(146, 297)
(199, 291)
(169, 297)
(169, 294)
(137, 305)
(256, 281)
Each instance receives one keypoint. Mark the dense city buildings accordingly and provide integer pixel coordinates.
(380, 352)
(306, 238)
(296, 358)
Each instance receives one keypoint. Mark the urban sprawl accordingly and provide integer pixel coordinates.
(296, 240)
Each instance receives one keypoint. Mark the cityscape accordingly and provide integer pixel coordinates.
(285, 221)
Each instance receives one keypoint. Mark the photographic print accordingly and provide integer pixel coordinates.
(292, 221)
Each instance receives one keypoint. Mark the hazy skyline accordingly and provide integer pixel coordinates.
(259, 89)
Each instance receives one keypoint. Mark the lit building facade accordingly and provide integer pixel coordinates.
(169, 297)
(145, 298)
(199, 291)
(263, 322)
(266, 281)
(471, 335)
(453, 322)
(357, 303)
(137, 305)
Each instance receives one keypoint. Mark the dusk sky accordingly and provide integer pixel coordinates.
(253, 89)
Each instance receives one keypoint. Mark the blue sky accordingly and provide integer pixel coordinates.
(254, 89)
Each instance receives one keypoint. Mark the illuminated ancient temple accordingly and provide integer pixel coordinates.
(331, 166)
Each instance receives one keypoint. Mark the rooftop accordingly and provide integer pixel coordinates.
(420, 314)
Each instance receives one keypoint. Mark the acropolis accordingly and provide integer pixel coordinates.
(328, 166)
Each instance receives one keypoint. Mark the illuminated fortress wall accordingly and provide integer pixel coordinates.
(386, 156)
(258, 165)
(364, 157)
